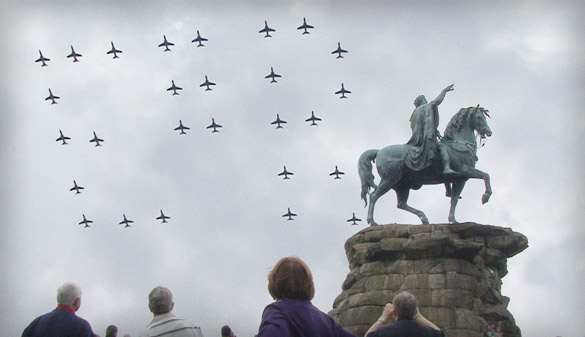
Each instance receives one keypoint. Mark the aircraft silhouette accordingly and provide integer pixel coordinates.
(42, 59)
(52, 97)
(285, 173)
(74, 55)
(289, 214)
(126, 221)
(182, 128)
(85, 221)
(174, 88)
(166, 43)
(339, 51)
(62, 138)
(200, 40)
(266, 30)
(336, 173)
(207, 84)
(272, 75)
(353, 219)
(76, 187)
(305, 26)
(278, 121)
(214, 126)
(343, 91)
(114, 51)
(96, 140)
(312, 119)
(163, 217)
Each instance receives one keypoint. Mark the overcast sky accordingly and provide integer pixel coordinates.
(523, 61)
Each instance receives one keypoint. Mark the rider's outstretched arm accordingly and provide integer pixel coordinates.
(441, 96)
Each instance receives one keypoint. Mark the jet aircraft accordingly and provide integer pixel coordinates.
(85, 221)
(52, 97)
(42, 59)
(166, 44)
(62, 138)
(272, 75)
(76, 187)
(266, 30)
(289, 214)
(114, 51)
(305, 26)
(74, 55)
(354, 219)
(207, 84)
(336, 173)
(313, 119)
(278, 121)
(96, 140)
(343, 91)
(200, 40)
(174, 88)
(339, 51)
(182, 128)
(126, 221)
(285, 173)
(163, 217)
(214, 126)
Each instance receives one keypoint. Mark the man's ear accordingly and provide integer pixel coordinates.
(77, 304)
(172, 306)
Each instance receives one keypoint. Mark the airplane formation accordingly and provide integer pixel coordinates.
(304, 27)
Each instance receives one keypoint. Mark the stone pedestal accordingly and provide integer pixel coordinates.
(453, 270)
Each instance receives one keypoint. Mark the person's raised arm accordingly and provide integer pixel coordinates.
(424, 321)
(387, 313)
(441, 96)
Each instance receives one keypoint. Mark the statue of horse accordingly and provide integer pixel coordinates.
(460, 138)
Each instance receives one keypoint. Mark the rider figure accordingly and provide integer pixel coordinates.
(423, 142)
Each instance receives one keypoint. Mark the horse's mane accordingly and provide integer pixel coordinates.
(457, 121)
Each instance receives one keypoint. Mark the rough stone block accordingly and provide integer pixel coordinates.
(372, 236)
(466, 319)
(392, 244)
(375, 282)
(416, 281)
(436, 281)
(393, 281)
(372, 268)
(461, 281)
(452, 298)
(443, 317)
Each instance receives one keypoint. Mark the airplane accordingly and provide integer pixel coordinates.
(42, 59)
(336, 173)
(114, 51)
(207, 84)
(272, 75)
(200, 40)
(85, 221)
(278, 121)
(76, 187)
(267, 30)
(74, 55)
(289, 214)
(305, 26)
(126, 221)
(62, 138)
(163, 217)
(343, 91)
(285, 173)
(312, 119)
(214, 126)
(354, 219)
(339, 51)
(52, 97)
(166, 44)
(96, 140)
(174, 88)
(182, 128)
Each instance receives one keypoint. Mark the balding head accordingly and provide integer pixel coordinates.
(160, 300)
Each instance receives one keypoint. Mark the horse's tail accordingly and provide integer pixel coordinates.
(365, 172)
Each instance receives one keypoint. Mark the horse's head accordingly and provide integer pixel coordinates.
(479, 122)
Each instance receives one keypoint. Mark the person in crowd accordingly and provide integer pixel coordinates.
(112, 331)
(165, 323)
(408, 321)
(226, 331)
(290, 283)
(61, 322)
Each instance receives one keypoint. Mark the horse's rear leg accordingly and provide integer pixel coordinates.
(402, 196)
(384, 186)
(455, 196)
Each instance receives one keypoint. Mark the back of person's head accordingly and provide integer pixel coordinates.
(160, 300)
(291, 278)
(405, 305)
(111, 331)
(226, 331)
(68, 294)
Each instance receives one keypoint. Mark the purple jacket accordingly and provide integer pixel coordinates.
(298, 318)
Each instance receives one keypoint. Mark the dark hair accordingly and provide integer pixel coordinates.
(405, 305)
(291, 278)
(111, 330)
(225, 331)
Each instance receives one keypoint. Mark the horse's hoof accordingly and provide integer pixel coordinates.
(485, 198)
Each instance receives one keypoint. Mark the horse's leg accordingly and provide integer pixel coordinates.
(456, 195)
(472, 172)
(384, 186)
(402, 196)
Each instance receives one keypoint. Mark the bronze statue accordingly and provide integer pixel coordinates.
(409, 166)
